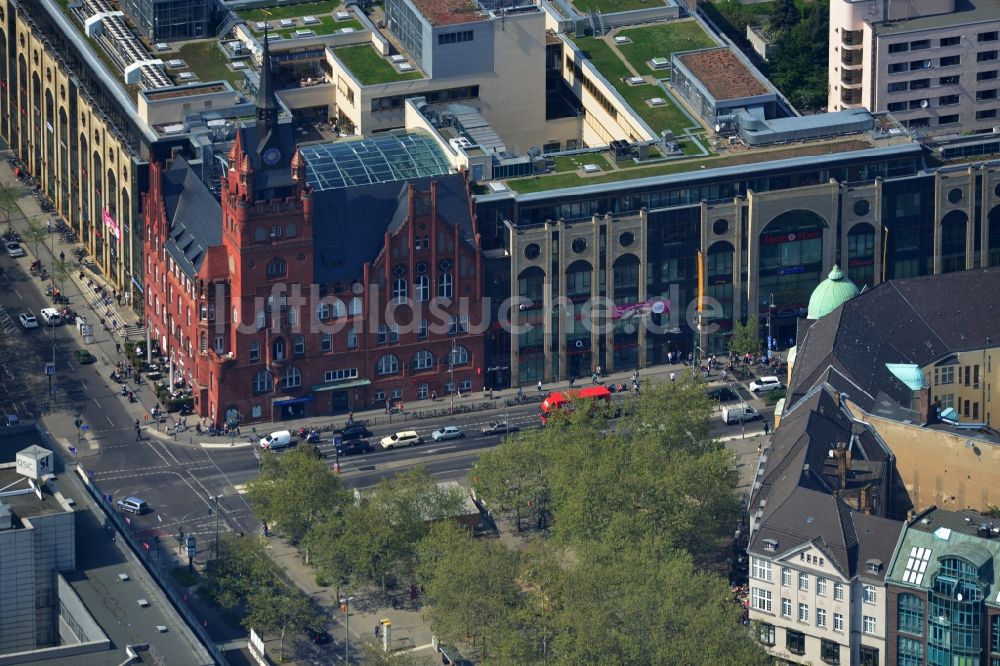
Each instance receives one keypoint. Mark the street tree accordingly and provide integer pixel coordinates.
(784, 16)
(296, 491)
(61, 272)
(509, 480)
(280, 608)
(35, 233)
(471, 586)
(373, 540)
(8, 203)
(746, 337)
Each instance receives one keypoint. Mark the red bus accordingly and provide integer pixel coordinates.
(559, 399)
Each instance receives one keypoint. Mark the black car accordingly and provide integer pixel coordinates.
(354, 446)
(354, 432)
(319, 636)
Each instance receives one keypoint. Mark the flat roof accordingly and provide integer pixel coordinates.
(187, 91)
(26, 505)
(966, 12)
(382, 159)
(723, 74)
(449, 12)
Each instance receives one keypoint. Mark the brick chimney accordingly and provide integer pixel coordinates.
(840, 456)
(924, 396)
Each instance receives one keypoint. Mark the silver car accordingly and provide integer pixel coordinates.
(447, 432)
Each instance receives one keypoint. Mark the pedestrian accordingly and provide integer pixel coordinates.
(539, 385)
(673, 376)
(48, 225)
(118, 348)
(598, 371)
(350, 418)
(376, 631)
(434, 395)
(138, 431)
(760, 448)
(387, 406)
(593, 378)
(767, 428)
(62, 257)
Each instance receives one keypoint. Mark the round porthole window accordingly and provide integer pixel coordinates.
(720, 226)
(579, 245)
(532, 251)
(861, 207)
(626, 238)
(955, 195)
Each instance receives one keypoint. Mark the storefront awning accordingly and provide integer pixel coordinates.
(342, 385)
(281, 402)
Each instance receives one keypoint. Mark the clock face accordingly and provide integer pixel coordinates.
(272, 156)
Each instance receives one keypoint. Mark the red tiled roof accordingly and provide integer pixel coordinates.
(448, 12)
(723, 74)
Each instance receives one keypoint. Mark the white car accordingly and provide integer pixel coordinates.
(28, 320)
(447, 432)
(14, 249)
(766, 384)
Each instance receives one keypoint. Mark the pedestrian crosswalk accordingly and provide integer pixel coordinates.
(6, 323)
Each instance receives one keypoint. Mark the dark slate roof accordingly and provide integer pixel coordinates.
(799, 482)
(917, 320)
(349, 224)
(195, 217)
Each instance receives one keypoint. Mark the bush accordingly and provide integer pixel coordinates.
(774, 396)
(185, 577)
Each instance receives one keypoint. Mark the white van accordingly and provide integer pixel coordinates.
(737, 413)
(51, 317)
(276, 440)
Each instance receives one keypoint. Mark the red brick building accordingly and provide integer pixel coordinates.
(286, 300)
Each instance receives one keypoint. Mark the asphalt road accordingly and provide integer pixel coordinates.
(181, 478)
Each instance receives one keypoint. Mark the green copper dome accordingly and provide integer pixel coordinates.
(831, 293)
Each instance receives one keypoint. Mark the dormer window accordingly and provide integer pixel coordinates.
(770, 545)
(874, 566)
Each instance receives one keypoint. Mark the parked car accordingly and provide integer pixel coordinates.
(404, 438)
(354, 432)
(133, 505)
(50, 317)
(14, 249)
(279, 439)
(354, 446)
(498, 428)
(447, 432)
(28, 320)
(84, 357)
(768, 383)
(739, 413)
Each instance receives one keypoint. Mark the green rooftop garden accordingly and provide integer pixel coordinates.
(207, 61)
(573, 179)
(290, 10)
(607, 62)
(659, 41)
(327, 26)
(369, 67)
(610, 6)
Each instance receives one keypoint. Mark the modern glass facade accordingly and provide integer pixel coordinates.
(908, 213)
(861, 255)
(407, 25)
(955, 615)
(168, 20)
(789, 268)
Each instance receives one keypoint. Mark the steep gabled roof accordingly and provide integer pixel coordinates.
(194, 214)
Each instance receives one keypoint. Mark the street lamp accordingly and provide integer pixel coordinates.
(770, 312)
(216, 499)
(345, 607)
(451, 372)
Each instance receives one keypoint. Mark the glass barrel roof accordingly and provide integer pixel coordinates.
(382, 159)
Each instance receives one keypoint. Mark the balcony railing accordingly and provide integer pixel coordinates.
(852, 37)
(850, 96)
(852, 58)
(851, 77)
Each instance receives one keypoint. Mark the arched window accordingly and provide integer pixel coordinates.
(203, 344)
(444, 285)
(291, 378)
(278, 349)
(423, 360)
(262, 382)
(261, 319)
(399, 290)
(422, 289)
(458, 356)
(387, 365)
(277, 267)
